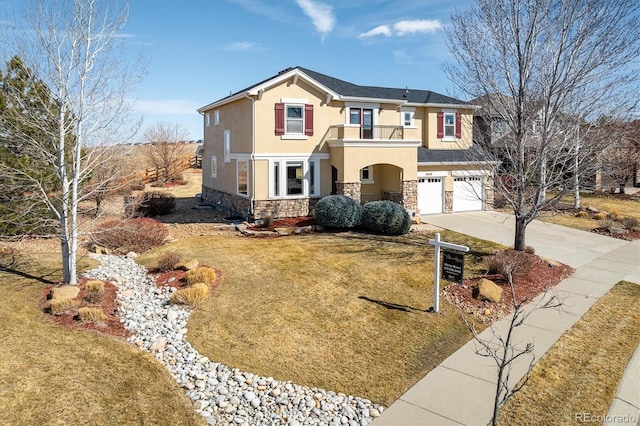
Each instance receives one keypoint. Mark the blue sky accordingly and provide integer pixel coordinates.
(199, 51)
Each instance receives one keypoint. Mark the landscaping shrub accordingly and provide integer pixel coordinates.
(201, 275)
(59, 306)
(630, 223)
(192, 295)
(149, 204)
(509, 262)
(138, 235)
(168, 261)
(338, 211)
(615, 215)
(94, 285)
(582, 214)
(386, 217)
(600, 216)
(91, 314)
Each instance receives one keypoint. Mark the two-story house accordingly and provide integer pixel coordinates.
(280, 145)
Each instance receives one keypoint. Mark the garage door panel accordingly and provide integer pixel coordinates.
(467, 194)
(430, 192)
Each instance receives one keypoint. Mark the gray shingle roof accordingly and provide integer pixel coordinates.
(344, 88)
(451, 155)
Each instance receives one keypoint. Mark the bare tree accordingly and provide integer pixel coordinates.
(546, 69)
(73, 48)
(619, 160)
(165, 148)
(501, 348)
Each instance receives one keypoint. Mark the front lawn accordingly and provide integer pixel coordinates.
(340, 311)
(53, 375)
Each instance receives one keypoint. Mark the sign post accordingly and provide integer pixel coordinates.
(452, 270)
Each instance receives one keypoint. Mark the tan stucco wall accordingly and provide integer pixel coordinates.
(350, 159)
(431, 131)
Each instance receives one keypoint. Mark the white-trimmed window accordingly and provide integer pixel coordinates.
(216, 117)
(449, 125)
(366, 174)
(207, 119)
(407, 117)
(214, 166)
(242, 173)
(294, 119)
(227, 145)
(294, 178)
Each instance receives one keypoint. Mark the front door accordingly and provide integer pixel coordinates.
(364, 118)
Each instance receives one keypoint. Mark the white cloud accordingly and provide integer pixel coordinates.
(242, 46)
(379, 30)
(402, 28)
(321, 15)
(416, 26)
(165, 107)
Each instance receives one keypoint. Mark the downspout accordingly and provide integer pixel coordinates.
(252, 157)
(203, 145)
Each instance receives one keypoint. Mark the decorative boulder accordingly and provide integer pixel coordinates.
(100, 249)
(65, 292)
(487, 291)
(188, 265)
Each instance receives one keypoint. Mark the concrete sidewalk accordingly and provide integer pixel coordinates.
(462, 388)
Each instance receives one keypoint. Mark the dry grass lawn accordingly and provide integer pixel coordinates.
(340, 311)
(602, 202)
(580, 373)
(53, 376)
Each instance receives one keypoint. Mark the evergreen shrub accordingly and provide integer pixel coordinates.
(338, 211)
(385, 217)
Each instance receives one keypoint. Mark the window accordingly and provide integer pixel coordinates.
(449, 126)
(498, 128)
(214, 166)
(207, 119)
(227, 146)
(243, 177)
(294, 120)
(293, 177)
(216, 117)
(364, 118)
(407, 116)
(366, 174)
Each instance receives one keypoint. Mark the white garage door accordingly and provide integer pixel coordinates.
(467, 193)
(430, 195)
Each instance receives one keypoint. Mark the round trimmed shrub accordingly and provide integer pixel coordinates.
(338, 211)
(385, 217)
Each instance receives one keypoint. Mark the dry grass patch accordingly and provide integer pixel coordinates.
(581, 371)
(94, 285)
(52, 375)
(201, 275)
(340, 311)
(193, 295)
(88, 314)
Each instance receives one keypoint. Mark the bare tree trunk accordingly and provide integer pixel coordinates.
(519, 238)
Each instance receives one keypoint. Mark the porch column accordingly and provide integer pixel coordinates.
(409, 189)
(349, 189)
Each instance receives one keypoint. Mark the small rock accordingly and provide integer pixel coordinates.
(172, 315)
(188, 265)
(158, 345)
(132, 255)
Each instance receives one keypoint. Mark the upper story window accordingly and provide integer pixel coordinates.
(207, 119)
(498, 128)
(294, 119)
(407, 117)
(216, 117)
(449, 125)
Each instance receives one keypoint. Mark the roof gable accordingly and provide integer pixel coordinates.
(344, 90)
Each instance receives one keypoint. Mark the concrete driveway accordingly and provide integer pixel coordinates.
(569, 246)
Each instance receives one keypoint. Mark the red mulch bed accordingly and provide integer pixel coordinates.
(69, 319)
(292, 222)
(112, 325)
(627, 235)
(541, 276)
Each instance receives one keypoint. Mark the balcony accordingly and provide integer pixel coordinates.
(365, 134)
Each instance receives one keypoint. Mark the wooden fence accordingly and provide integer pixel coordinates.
(156, 173)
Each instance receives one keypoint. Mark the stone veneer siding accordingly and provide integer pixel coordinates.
(488, 197)
(234, 203)
(284, 208)
(409, 189)
(349, 189)
(448, 201)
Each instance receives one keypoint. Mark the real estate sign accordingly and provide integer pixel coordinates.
(452, 266)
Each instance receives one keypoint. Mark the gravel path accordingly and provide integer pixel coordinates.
(220, 394)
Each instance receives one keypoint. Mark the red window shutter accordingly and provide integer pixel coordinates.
(279, 110)
(440, 125)
(308, 120)
(458, 125)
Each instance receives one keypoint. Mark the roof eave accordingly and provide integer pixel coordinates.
(457, 163)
